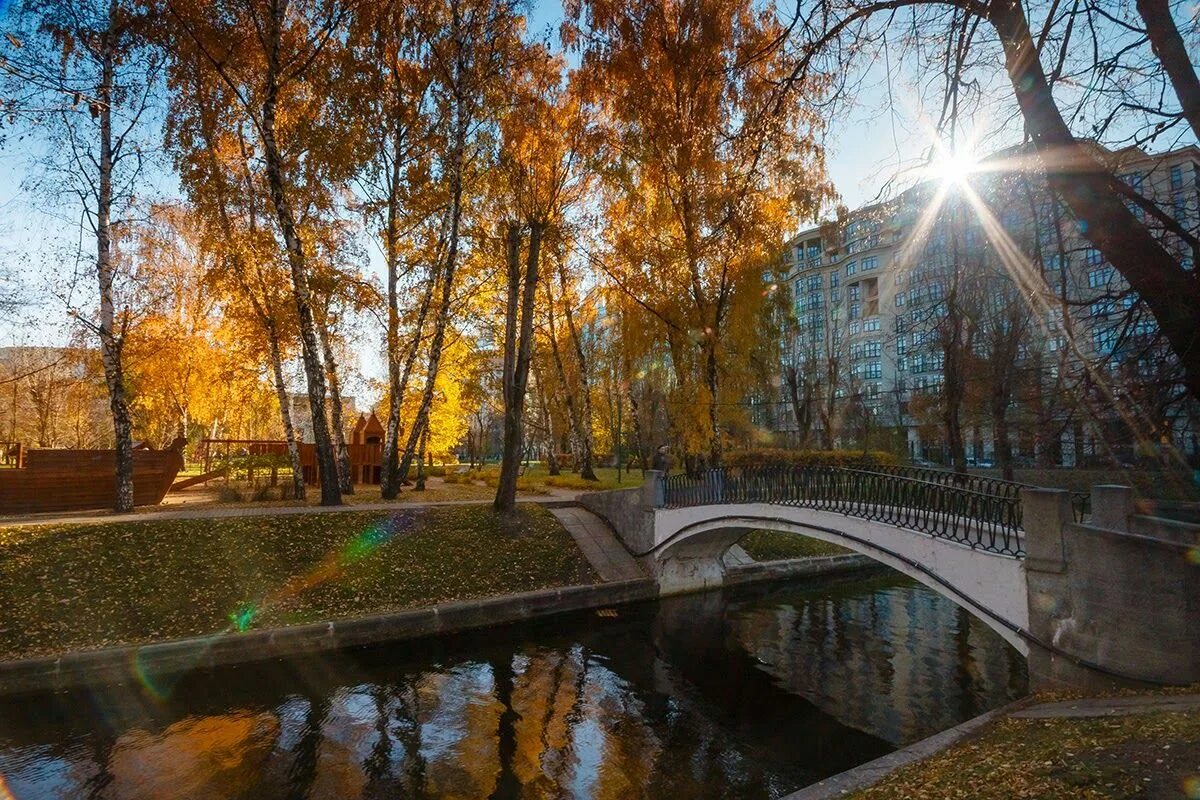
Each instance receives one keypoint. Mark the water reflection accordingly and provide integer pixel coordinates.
(712, 695)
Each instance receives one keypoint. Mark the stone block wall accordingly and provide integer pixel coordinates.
(1120, 593)
(626, 511)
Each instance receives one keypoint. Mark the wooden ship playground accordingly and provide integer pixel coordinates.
(38, 480)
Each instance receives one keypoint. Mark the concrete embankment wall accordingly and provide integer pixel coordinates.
(172, 657)
(626, 512)
(164, 659)
(1121, 593)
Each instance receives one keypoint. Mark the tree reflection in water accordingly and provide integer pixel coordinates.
(711, 695)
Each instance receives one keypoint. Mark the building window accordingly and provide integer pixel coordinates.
(1105, 340)
(855, 311)
(851, 268)
(874, 370)
(871, 324)
(1055, 262)
(853, 292)
(835, 280)
(1099, 278)
(899, 299)
(870, 263)
(854, 326)
(814, 283)
(1133, 179)
(1177, 177)
(1092, 257)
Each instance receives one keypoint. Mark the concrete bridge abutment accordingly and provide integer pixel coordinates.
(1113, 601)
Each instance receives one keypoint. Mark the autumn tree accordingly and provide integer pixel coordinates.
(473, 46)
(211, 144)
(389, 80)
(86, 74)
(543, 140)
(704, 167)
(565, 341)
(276, 66)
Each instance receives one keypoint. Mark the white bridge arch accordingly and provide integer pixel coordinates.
(1093, 596)
(688, 545)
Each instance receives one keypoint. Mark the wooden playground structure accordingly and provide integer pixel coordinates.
(365, 450)
(36, 480)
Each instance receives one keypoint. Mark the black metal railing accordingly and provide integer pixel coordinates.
(988, 521)
(1081, 502)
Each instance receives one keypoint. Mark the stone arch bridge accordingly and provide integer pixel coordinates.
(1088, 589)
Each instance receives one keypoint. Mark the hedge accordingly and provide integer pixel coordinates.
(774, 457)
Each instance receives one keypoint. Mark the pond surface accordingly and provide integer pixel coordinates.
(747, 694)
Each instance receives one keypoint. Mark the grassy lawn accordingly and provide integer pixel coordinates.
(1151, 756)
(537, 477)
(773, 546)
(73, 587)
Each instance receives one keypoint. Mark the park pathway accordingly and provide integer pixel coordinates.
(551, 498)
(599, 544)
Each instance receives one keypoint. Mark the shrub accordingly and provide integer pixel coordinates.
(265, 492)
(570, 482)
(229, 494)
(774, 457)
(525, 484)
(466, 478)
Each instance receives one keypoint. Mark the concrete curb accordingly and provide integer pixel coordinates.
(134, 662)
(866, 775)
(1090, 708)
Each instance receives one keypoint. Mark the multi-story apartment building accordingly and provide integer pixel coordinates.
(1050, 351)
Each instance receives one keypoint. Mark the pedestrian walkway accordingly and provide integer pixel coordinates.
(552, 497)
(1111, 707)
(599, 544)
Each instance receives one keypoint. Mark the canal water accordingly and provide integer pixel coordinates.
(736, 694)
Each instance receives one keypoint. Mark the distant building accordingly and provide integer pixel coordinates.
(868, 293)
(302, 415)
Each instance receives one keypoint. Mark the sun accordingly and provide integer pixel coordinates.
(953, 167)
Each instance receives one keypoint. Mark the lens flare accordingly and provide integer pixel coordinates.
(242, 618)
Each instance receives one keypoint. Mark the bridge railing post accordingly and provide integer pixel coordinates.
(653, 489)
(1112, 506)
(1044, 512)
